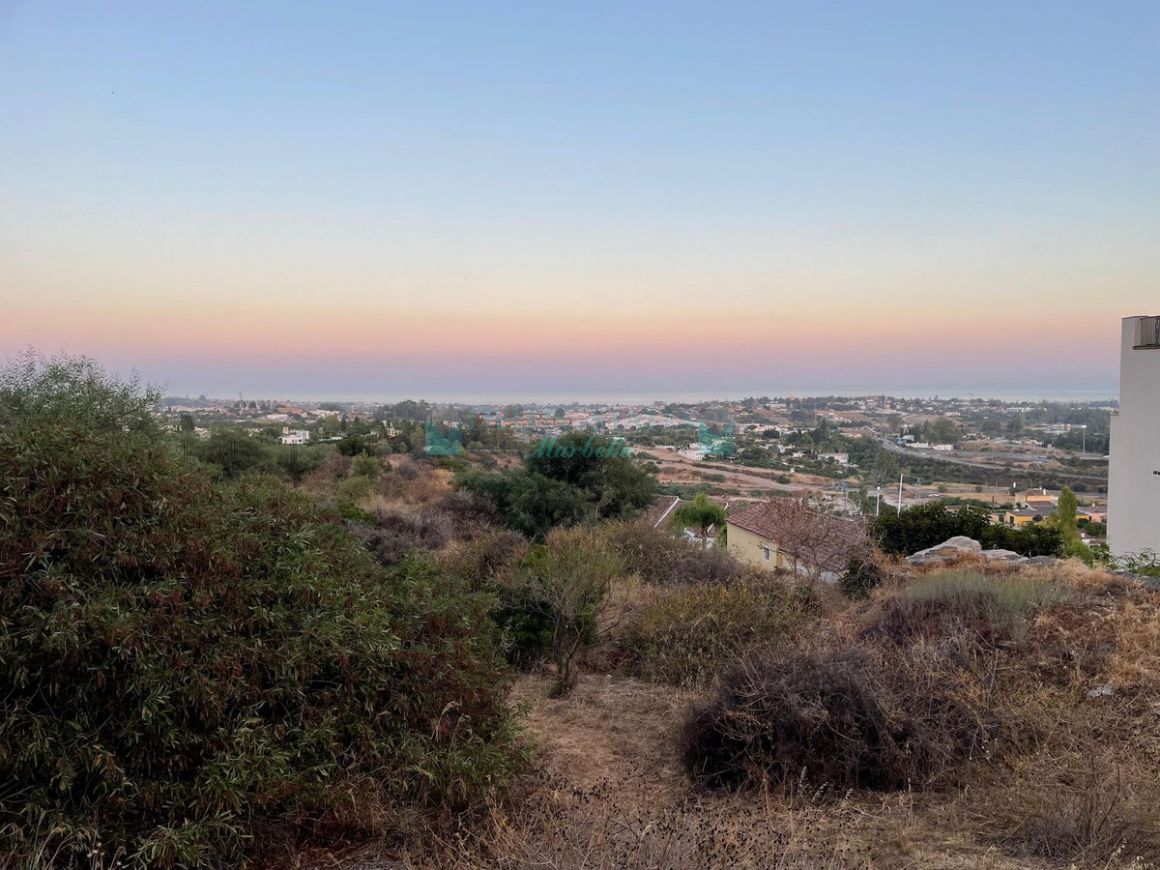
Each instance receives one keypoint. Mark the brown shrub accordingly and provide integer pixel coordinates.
(469, 510)
(413, 481)
(838, 719)
(488, 558)
(683, 635)
(395, 534)
(661, 558)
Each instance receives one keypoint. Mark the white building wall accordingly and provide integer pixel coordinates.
(1134, 470)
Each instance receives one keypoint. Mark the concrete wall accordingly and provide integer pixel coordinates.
(1134, 471)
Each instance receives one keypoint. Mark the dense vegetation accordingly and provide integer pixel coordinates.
(190, 667)
(913, 529)
(574, 479)
(214, 647)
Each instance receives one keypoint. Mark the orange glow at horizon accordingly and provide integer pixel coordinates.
(321, 331)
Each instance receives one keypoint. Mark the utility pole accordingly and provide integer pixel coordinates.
(900, 491)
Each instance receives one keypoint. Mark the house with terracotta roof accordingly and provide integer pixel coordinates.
(789, 535)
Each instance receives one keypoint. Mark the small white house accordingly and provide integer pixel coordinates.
(294, 436)
(695, 451)
(840, 458)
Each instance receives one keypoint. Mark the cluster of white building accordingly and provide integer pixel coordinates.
(294, 436)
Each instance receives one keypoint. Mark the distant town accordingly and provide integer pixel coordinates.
(855, 454)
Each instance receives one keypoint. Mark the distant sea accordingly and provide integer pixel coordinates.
(1005, 394)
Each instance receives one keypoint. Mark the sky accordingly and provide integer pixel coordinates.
(590, 200)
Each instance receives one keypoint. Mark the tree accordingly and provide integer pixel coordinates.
(885, 467)
(576, 478)
(814, 540)
(233, 452)
(353, 445)
(567, 580)
(943, 431)
(1032, 539)
(700, 513)
(1064, 515)
(76, 391)
(917, 528)
(1063, 519)
(297, 460)
(187, 426)
(409, 409)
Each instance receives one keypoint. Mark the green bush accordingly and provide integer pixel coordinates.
(1077, 549)
(188, 667)
(928, 525)
(1033, 539)
(551, 607)
(861, 576)
(1145, 563)
(913, 529)
(366, 465)
(231, 453)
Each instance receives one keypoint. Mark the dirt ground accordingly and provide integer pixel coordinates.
(609, 792)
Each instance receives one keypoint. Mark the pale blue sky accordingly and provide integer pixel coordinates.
(494, 158)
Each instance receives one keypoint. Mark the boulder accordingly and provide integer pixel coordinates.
(948, 550)
(1042, 560)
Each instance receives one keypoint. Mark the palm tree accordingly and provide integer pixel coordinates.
(702, 514)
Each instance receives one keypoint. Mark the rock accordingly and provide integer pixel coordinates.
(1101, 691)
(953, 548)
(961, 542)
(921, 559)
(1003, 556)
(1042, 560)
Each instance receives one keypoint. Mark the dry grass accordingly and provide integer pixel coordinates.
(1092, 810)
(413, 482)
(1075, 785)
(608, 792)
(684, 635)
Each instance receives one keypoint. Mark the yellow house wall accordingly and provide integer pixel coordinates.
(746, 546)
(1013, 520)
